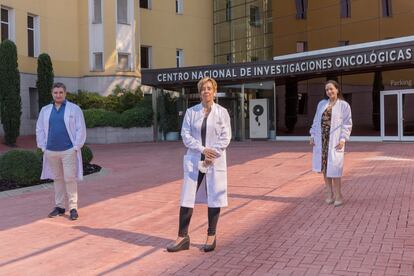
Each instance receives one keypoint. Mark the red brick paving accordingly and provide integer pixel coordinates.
(276, 224)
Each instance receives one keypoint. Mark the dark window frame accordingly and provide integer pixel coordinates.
(345, 8)
(5, 24)
(301, 9)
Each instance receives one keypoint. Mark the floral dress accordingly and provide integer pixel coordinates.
(326, 129)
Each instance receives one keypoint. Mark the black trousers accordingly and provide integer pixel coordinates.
(186, 213)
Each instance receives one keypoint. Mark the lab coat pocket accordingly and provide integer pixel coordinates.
(218, 128)
(188, 164)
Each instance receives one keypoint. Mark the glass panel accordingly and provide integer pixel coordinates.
(391, 115)
(144, 4)
(97, 11)
(229, 96)
(4, 31)
(30, 43)
(30, 21)
(122, 11)
(123, 62)
(4, 15)
(408, 114)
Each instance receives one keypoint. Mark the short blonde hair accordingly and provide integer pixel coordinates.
(204, 80)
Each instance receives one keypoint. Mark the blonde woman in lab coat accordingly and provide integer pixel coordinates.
(206, 132)
(330, 130)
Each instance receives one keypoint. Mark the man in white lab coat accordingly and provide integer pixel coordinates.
(60, 134)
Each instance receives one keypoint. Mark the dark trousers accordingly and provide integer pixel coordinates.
(186, 213)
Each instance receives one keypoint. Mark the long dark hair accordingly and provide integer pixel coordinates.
(336, 84)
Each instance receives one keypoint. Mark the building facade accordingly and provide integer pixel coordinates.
(98, 44)
(308, 32)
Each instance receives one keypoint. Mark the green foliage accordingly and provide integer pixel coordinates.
(378, 86)
(119, 101)
(21, 166)
(168, 116)
(10, 100)
(101, 118)
(127, 98)
(87, 100)
(87, 155)
(45, 78)
(291, 101)
(139, 116)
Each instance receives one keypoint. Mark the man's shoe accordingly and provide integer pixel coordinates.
(73, 214)
(56, 212)
(182, 245)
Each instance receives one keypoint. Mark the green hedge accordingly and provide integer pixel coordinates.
(101, 118)
(139, 116)
(119, 101)
(21, 166)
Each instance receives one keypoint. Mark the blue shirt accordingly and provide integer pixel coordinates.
(58, 138)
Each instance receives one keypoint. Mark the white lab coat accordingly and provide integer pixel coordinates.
(213, 189)
(75, 125)
(341, 126)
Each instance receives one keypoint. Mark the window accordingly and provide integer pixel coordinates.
(34, 103)
(145, 57)
(386, 8)
(253, 58)
(229, 58)
(123, 62)
(144, 4)
(343, 42)
(345, 8)
(254, 16)
(301, 9)
(98, 61)
(97, 12)
(5, 24)
(122, 11)
(301, 46)
(179, 6)
(302, 103)
(33, 39)
(228, 10)
(180, 57)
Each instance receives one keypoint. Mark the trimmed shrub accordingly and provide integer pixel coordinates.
(127, 98)
(10, 100)
(45, 78)
(87, 155)
(139, 116)
(21, 166)
(87, 100)
(101, 118)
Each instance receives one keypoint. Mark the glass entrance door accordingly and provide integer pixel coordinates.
(397, 115)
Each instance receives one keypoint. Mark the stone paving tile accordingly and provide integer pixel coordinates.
(276, 222)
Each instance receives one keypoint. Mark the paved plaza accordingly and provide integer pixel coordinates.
(277, 222)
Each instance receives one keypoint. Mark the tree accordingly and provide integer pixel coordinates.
(377, 87)
(10, 100)
(291, 104)
(45, 78)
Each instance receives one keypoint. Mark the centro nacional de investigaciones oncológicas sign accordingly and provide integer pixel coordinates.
(298, 66)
